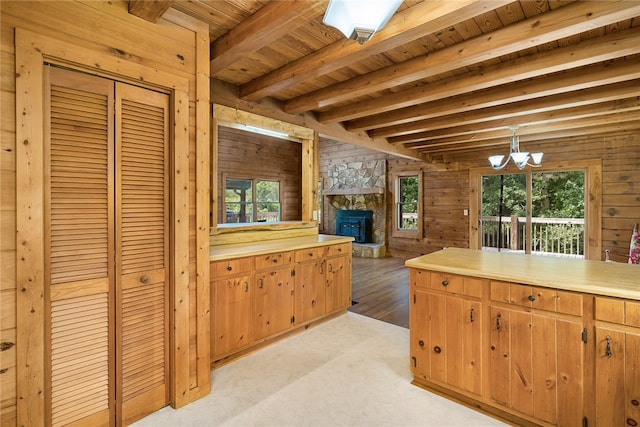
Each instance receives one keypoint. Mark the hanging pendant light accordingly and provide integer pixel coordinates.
(359, 19)
(520, 158)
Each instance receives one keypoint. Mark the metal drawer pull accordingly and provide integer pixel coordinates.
(144, 279)
(445, 282)
(246, 286)
(607, 351)
(471, 315)
(532, 298)
(498, 326)
(229, 268)
(437, 349)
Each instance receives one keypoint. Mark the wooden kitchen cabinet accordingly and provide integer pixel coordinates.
(617, 360)
(536, 356)
(258, 298)
(446, 332)
(231, 305)
(274, 294)
(338, 278)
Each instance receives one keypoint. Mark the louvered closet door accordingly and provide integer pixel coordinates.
(107, 238)
(79, 232)
(142, 246)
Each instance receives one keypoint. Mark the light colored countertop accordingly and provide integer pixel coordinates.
(593, 277)
(224, 252)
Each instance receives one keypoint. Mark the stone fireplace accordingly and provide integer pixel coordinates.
(358, 186)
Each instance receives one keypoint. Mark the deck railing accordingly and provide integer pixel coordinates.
(549, 236)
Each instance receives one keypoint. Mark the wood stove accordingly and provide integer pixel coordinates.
(355, 223)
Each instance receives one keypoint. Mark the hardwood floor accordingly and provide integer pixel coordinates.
(381, 289)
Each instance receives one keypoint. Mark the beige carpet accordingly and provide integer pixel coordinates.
(350, 371)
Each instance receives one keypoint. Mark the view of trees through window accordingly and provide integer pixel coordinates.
(557, 212)
(242, 207)
(407, 206)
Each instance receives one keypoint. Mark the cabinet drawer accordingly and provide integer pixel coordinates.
(231, 267)
(473, 287)
(447, 282)
(537, 297)
(273, 260)
(421, 278)
(341, 249)
(309, 254)
(618, 311)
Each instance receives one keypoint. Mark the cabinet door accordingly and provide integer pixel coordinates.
(617, 377)
(230, 325)
(309, 291)
(273, 307)
(472, 334)
(338, 292)
(500, 356)
(419, 332)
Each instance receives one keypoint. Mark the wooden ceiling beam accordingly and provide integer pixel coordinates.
(226, 94)
(568, 127)
(412, 119)
(563, 134)
(149, 10)
(408, 25)
(530, 119)
(271, 22)
(591, 51)
(515, 110)
(560, 23)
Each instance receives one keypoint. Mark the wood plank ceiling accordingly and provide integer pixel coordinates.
(441, 77)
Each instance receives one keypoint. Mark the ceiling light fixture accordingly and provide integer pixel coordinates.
(521, 159)
(359, 19)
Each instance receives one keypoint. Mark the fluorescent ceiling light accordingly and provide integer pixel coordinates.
(359, 19)
(266, 132)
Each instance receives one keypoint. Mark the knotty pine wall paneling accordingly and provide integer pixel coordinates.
(85, 35)
(446, 187)
(251, 155)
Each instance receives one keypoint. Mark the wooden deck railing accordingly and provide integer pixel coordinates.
(549, 236)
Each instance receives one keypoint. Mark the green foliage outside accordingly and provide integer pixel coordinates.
(554, 195)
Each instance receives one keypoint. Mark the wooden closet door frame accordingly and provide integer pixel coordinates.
(32, 52)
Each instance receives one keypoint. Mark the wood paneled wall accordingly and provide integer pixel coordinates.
(243, 154)
(446, 188)
(175, 49)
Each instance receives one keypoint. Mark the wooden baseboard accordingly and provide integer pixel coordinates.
(477, 405)
(274, 339)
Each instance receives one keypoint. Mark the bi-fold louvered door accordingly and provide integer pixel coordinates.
(107, 217)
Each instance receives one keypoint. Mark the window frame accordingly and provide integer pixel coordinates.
(254, 200)
(592, 209)
(395, 230)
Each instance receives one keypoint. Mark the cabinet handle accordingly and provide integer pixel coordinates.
(437, 349)
(330, 268)
(421, 343)
(445, 282)
(229, 268)
(607, 351)
(144, 279)
(275, 260)
(471, 315)
(261, 283)
(246, 286)
(532, 298)
(498, 326)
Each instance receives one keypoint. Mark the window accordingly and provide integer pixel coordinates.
(407, 218)
(539, 211)
(252, 200)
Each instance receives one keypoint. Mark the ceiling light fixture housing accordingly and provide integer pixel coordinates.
(520, 158)
(359, 19)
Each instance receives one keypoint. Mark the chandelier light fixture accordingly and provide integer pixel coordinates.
(520, 158)
(359, 19)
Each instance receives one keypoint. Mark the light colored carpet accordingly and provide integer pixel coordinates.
(350, 371)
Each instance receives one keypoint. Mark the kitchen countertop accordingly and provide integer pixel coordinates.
(224, 252)
(592, 277)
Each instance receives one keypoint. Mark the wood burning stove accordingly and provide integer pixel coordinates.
(355, 223)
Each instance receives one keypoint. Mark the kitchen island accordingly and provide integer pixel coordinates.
(532, 340)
